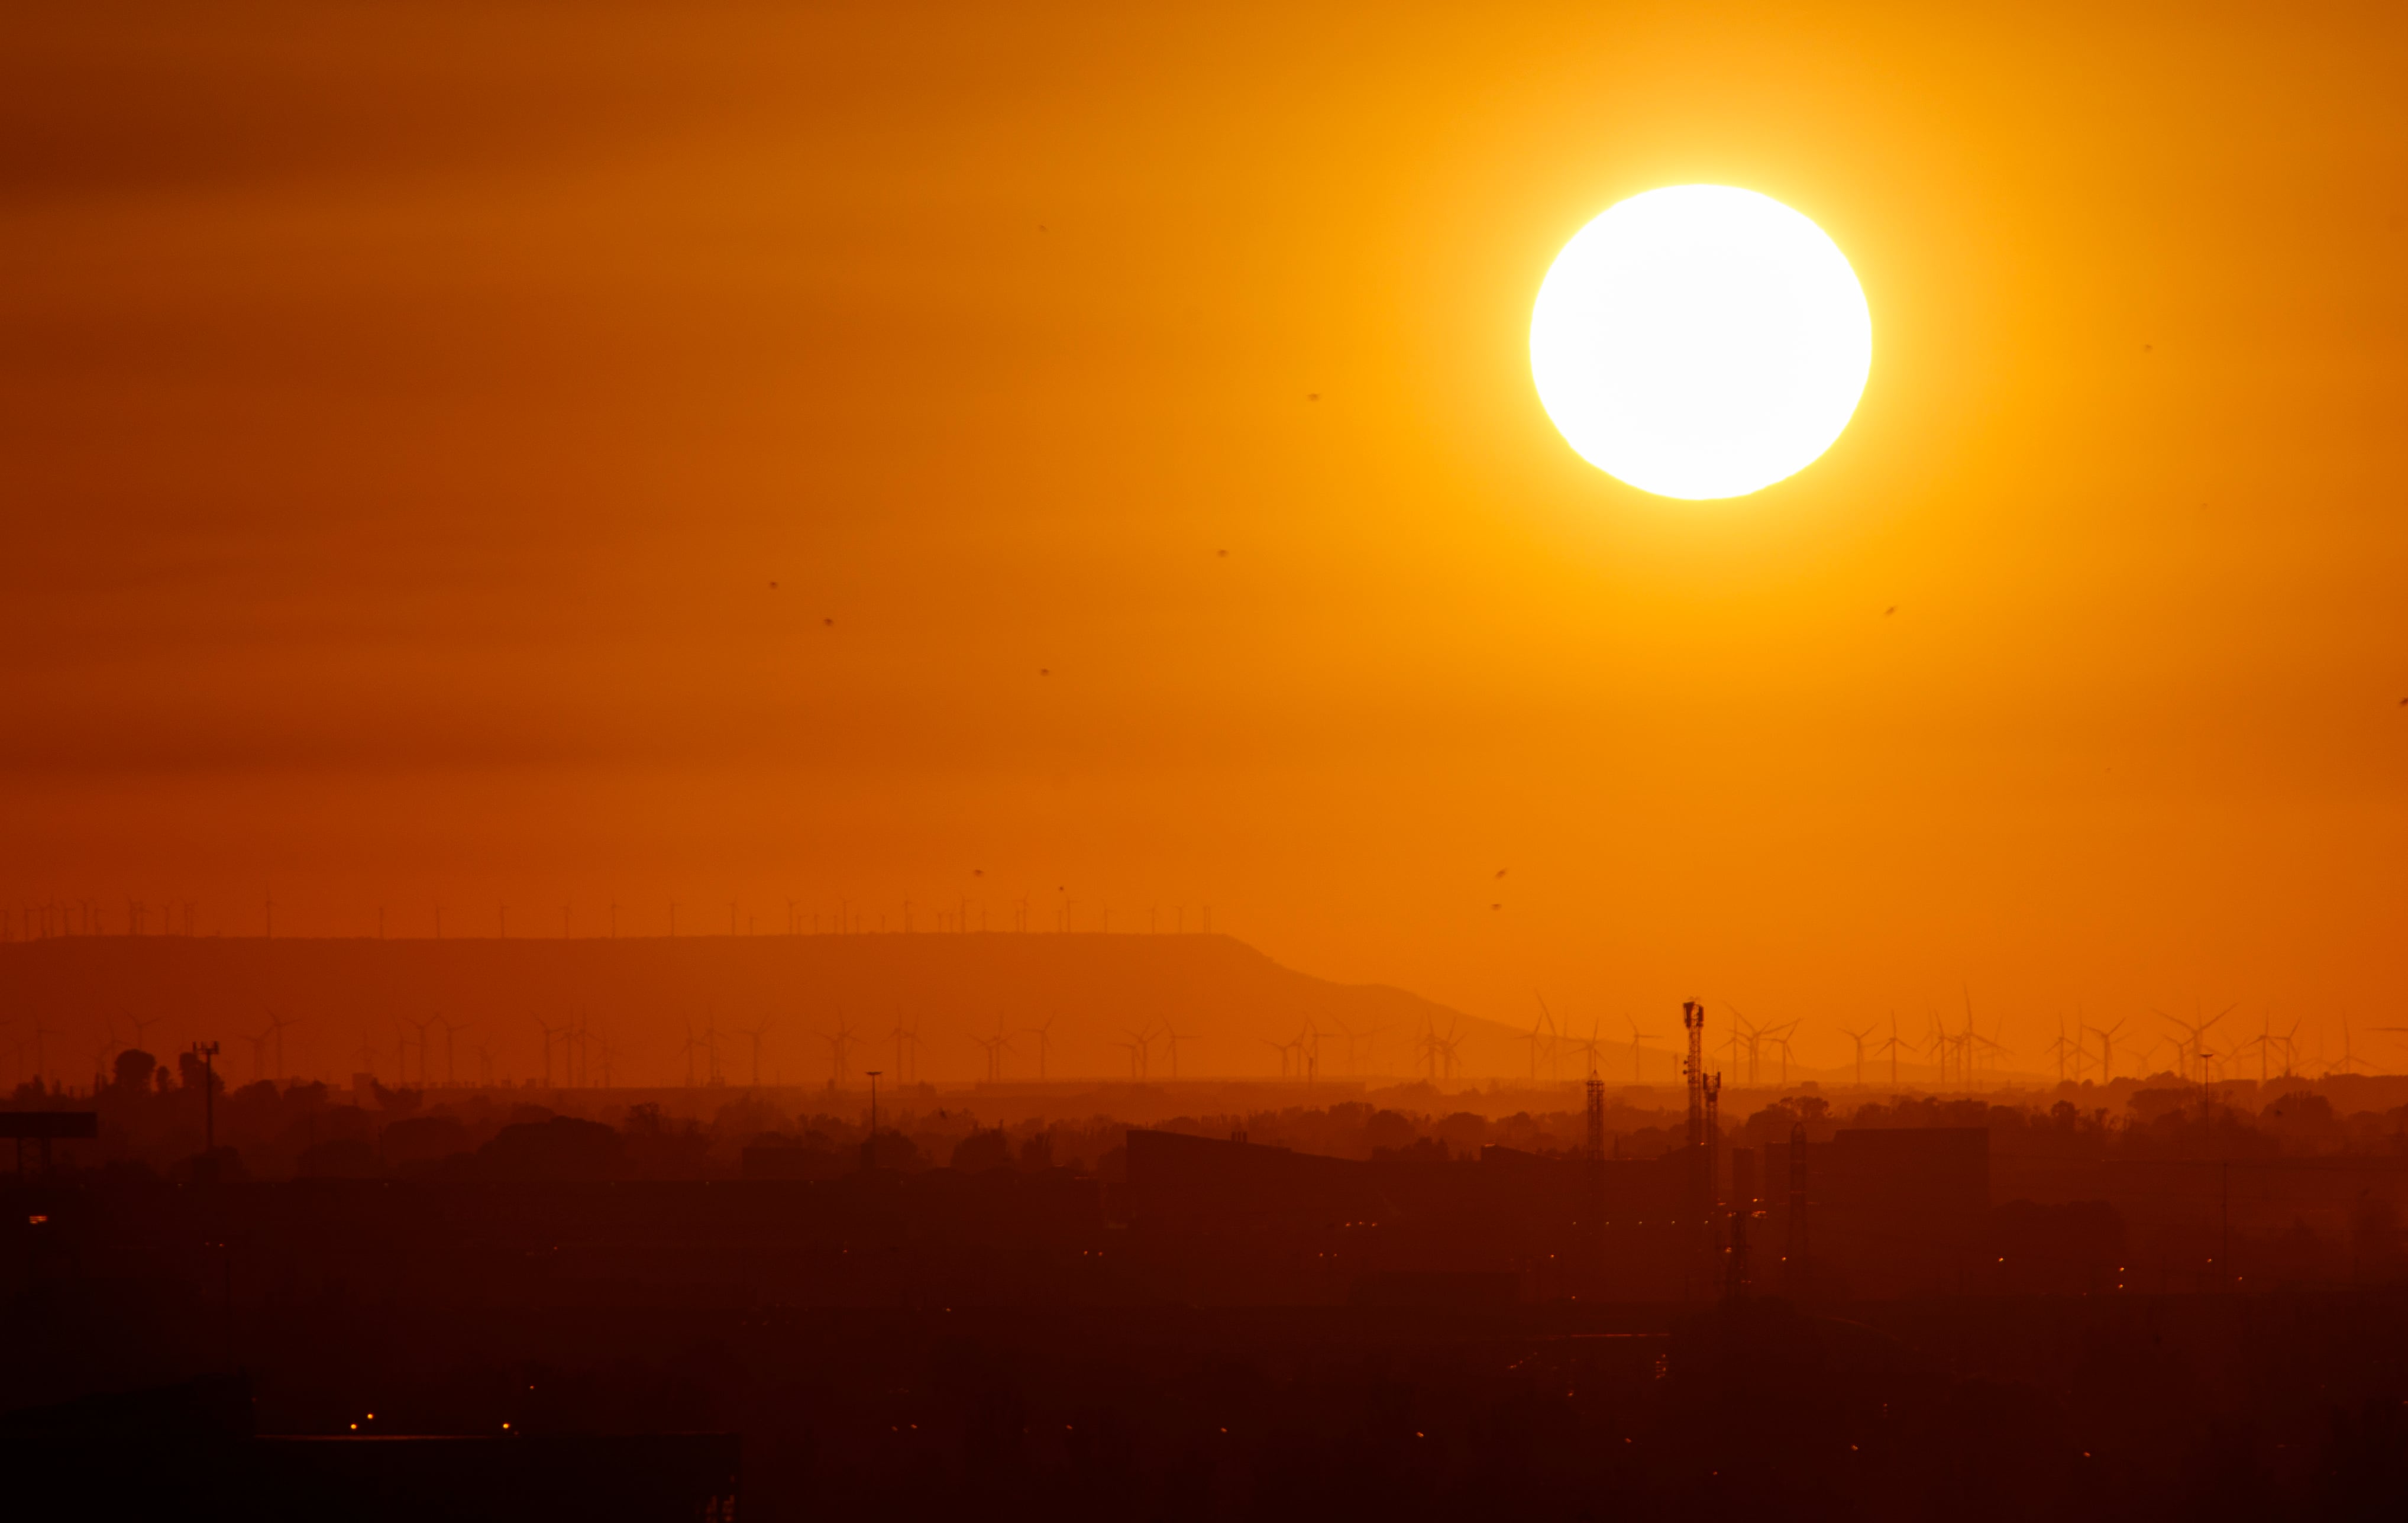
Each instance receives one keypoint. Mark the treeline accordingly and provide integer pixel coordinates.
(153, 1115)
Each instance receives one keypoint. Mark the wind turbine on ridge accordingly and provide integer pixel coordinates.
(1858, 1037)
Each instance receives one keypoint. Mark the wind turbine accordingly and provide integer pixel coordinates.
(2264, 1041)
(2107, 1053)
(1044, 1035)
(276, 1022)
(1348, 1032)
(1858, 1037)
(1551, 1041)
(1171, 1038)
(259, 1054)
(2195, 1031)
(422, 1023)
(1534, 1036)
(1636, 1036)
(2349, 1060)
(1141, 1055)
(2060, 1048)
(452, 1030)
(1742, 1030)
(549, 1031)
(1780, 1038)
(840, 1044)
(756, 1033)
(1996, 1049)
(997, 1050)
(1446, 1049)
(1891, 1046)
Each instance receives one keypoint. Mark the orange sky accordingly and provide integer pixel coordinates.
(405, 412)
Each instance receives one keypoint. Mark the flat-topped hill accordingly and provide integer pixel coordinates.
(350, 1002)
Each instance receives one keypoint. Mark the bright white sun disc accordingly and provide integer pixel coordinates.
(1700, 341)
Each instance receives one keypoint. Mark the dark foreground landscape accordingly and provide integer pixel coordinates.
(476, 1305)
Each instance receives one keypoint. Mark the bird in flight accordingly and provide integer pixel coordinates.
(1888, 612)
(1500, 872)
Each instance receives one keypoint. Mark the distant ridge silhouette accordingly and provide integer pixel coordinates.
(1230, 1003)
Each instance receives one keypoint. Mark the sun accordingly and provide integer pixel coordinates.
(1700, 341)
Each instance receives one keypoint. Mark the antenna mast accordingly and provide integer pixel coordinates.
(1693, 1019)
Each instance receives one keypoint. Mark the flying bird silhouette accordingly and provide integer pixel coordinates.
(1888, 612)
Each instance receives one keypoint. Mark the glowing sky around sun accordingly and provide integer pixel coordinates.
(1700, 341)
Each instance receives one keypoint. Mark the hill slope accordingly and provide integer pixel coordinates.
(350, 1002)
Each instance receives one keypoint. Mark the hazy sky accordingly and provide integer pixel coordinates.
(405, 412)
